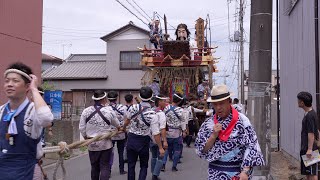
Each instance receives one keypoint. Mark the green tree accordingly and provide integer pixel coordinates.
(47, 86)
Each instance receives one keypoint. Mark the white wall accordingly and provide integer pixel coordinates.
(68, 85)
(124, 79)
(297, 62)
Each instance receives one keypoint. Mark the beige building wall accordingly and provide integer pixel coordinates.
(128, 41)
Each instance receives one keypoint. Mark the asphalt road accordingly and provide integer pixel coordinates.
(191, 168)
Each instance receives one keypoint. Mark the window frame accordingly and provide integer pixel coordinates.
(130, 68)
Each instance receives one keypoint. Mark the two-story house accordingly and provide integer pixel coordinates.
(123, 58)
(118, 70)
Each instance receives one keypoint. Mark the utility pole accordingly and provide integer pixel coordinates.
(260, 62)
(241, 14)
(225, 75)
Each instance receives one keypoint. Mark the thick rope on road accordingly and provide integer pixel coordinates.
(63, 148)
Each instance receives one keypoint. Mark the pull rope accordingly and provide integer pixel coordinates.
(63, 148)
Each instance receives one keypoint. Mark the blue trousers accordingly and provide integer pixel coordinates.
(174, 148)
(138, 146)
(120, 147)
(100, 168)
(156, 161)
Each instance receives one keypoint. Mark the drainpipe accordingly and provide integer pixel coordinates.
(316, 29)
(316, 46)
(278, 79)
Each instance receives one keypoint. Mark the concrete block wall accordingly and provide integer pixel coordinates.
(64, 130)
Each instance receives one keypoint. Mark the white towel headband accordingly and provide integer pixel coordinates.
(178, 96)
(162, 98)
(99, 98)
(18, 72)
(143, 99)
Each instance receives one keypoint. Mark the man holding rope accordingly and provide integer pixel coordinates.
(120, 138)
(96, 120)
(21, 124)
(143, 123)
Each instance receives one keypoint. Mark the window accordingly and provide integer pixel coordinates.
(288, 6)
(130, 60)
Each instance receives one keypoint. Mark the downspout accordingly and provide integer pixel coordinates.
(278, 79)
(316, 29)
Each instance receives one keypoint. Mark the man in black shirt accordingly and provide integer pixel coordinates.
(309, 133)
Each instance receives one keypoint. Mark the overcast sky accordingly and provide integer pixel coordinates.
(75, 26)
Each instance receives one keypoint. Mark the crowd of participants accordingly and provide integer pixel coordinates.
(153, 123)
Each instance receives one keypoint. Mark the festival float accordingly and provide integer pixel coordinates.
(178, 64)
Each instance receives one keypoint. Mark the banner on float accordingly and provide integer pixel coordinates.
(179, 86)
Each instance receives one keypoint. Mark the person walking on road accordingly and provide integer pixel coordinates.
(176, 130)
(157, 160)
(143, 122)
(96, 120)
(227, 140)
(119, 139)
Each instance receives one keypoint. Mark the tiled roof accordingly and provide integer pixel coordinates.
(77, 70)
(130, 25)
(86, 57)
(47, 57)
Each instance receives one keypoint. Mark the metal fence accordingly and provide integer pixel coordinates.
(69, 111)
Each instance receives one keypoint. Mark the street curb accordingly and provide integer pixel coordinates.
(54, 164)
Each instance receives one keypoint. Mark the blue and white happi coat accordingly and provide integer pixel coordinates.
(242, 146)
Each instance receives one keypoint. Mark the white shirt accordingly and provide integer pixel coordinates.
(137, 126)
(190, 115)
(120, 111)
(97, 126)
(238, 107)
(209, 112)
(161, 119)
(175, 120)
(187, 115)
(34, 121)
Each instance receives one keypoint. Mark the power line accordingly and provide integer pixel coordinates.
(60, 41)
(137, 10)
(233, 81)
(167, 21)
(131, 12)
(70, 29)
(63, 34)
(72, 32)
(80, 37)
(141, 9)
(20, 38)
(68, 35)
(97, 31)
(221, 17)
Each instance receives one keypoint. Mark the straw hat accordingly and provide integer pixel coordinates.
(219, 93)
